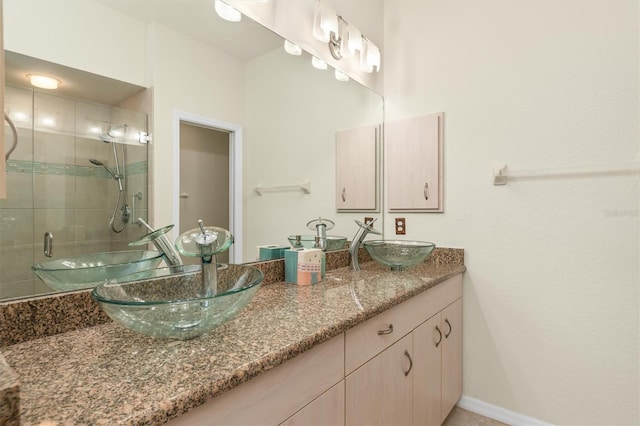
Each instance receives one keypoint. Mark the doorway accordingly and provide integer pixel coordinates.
(204, 179)
(208, 159)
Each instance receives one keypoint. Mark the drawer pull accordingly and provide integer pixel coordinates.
(386, 331)
(426, 190)
(344, 194)
(446, 321)
(439, 334)
(406, 373)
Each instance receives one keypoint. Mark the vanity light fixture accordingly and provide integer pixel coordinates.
(373, 56)
(318, 63)
(344, 40)
(226, 12)
(43, 81)
(325, 20)
(292, 48)
(340, 76)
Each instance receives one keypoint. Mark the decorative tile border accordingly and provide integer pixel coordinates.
(42, 168)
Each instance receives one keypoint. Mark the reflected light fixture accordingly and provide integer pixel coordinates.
(318, 63)
(43, 81)
(227, 12)
(340, 76)
(373, 56)
(292, 48)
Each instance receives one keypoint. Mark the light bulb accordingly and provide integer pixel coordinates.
(318, 63)
(43, 81)
(227, 12)
(292, 48)
(340, 76)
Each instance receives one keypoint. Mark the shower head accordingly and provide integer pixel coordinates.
(100, 163)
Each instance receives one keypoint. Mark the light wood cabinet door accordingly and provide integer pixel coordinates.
(427, 341)
(379, 392)
(327, 409)
(451, 357)
(413, 156)
(356, 165)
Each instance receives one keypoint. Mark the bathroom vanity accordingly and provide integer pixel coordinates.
(373, 344)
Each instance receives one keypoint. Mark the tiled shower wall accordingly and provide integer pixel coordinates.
(52, 186)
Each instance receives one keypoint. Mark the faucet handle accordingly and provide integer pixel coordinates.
(210, 238)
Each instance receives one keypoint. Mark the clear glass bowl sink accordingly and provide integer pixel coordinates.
(170, 304)
(398, 254)
(308, 241)
(89, 270)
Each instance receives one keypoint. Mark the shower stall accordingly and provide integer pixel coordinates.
(78, 176)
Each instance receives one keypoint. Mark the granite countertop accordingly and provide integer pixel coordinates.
(106, 374)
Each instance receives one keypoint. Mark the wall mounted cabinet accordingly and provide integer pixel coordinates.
(356, 169)
(413, 156)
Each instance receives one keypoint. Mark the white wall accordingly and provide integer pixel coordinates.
(293, 112)
(112, 45)
(551, 302)
(191, 77)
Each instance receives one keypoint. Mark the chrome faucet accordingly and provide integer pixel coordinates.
(354, 248)
(321, 226)
(161, 242)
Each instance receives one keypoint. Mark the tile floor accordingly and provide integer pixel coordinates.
(461, 417)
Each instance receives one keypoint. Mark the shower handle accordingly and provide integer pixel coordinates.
(48, 244)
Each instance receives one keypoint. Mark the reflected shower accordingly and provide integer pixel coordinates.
(118, 174)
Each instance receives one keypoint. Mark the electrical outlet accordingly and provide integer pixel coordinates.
(367, 220)
(401, 226)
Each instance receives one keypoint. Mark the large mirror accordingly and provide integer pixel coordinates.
(179, 59)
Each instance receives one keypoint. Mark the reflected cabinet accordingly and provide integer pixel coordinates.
(413, 158)
(356, 169)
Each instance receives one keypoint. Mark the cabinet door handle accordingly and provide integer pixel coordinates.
(426, 190)
(408, 355)
(448, 333)
(386, 331)
(440, 335)
(344, 194)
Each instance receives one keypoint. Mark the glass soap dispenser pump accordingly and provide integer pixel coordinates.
(205, 242)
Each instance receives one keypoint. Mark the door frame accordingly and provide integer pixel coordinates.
(235, 173)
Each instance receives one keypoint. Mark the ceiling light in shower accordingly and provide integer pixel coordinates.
(227, 12)
(318, 63)
(43, 81)
(292, 48)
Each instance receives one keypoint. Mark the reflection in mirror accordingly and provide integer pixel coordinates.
(289, 113)
(78, 175)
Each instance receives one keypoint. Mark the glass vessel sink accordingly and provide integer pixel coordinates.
(398, 254)
(167, 304)
(308, 241)
(89, 270)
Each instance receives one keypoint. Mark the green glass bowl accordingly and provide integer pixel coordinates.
(89, 270)
(308, 241)
(167, 302)
(398, 254)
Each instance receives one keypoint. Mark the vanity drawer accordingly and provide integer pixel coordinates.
(368, 339)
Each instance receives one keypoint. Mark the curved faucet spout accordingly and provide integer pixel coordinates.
(361, 234)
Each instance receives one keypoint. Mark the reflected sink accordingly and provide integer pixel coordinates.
(170, 304)
(398, 254)
(334, 242)
(89, 270)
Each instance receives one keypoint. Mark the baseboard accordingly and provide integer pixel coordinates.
(498, 413)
